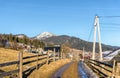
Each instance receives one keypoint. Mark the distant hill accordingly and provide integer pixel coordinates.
(52, 39)
(75, 42)
(19, 41)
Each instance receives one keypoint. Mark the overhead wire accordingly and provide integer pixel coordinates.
(109, 16)
(115, 24)
(110, 26)
(106, 26)
(90, 34)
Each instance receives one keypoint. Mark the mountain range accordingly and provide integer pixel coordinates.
(109, 52)
(77, 43)
(72, 42)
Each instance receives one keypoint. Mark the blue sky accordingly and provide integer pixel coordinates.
(69, 17)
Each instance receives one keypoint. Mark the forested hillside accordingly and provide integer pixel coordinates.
(18, 41)
(75, 42)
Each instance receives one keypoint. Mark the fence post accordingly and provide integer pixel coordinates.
(61, 53)
(54, 54)
(21, 64)
(113, 69)
(78, 56)
(47, 57)
(37, 61)
(58, 54)
(117, 75)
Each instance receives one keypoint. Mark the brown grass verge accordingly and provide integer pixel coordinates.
(9, 55)
(47, 70)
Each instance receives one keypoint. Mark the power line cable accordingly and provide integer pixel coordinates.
(110, 24)
(109, 16)
(109, 30)
(90, 33)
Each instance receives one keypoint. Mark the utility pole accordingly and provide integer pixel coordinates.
(94, 41)
(97, 26)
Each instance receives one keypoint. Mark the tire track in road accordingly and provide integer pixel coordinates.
(58, 73)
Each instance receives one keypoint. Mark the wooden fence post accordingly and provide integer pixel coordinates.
(113, 69)
(37, 61)
(58, 54)
(21, 64)
(117, 75)
(78, 56)
(47, 57)
(61, 53)
(54, 54)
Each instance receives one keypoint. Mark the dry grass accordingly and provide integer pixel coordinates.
(47, 70)
(71, 72)
(9, 55)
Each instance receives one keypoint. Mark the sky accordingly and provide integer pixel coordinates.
(61, 17)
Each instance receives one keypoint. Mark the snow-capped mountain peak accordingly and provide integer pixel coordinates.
(44, 35)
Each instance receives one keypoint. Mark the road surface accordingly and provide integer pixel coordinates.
(58, 74)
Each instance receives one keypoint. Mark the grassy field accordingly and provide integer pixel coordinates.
(8, 55)
(72, 71)
(47, 70)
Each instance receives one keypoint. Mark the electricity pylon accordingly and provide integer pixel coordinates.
(97, 27)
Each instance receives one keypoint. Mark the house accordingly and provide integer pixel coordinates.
(57, 49)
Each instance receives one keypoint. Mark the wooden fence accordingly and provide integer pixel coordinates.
(19, 72)
(104, 70)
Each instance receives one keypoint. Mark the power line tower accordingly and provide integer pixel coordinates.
(97, 28)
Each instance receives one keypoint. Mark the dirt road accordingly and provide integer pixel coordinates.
(58, 74)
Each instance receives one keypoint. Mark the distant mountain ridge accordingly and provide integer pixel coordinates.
(75, 42)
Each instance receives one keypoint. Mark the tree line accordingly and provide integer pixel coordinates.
(11, 41)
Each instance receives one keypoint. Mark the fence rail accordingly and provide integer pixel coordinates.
(103, 69)
(27, 57)
(109, 65)
(9, 63)
(97, 64)
(28, 62)
(8, 73)
(20, 64)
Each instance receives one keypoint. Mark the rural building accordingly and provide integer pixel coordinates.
(57, 49)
